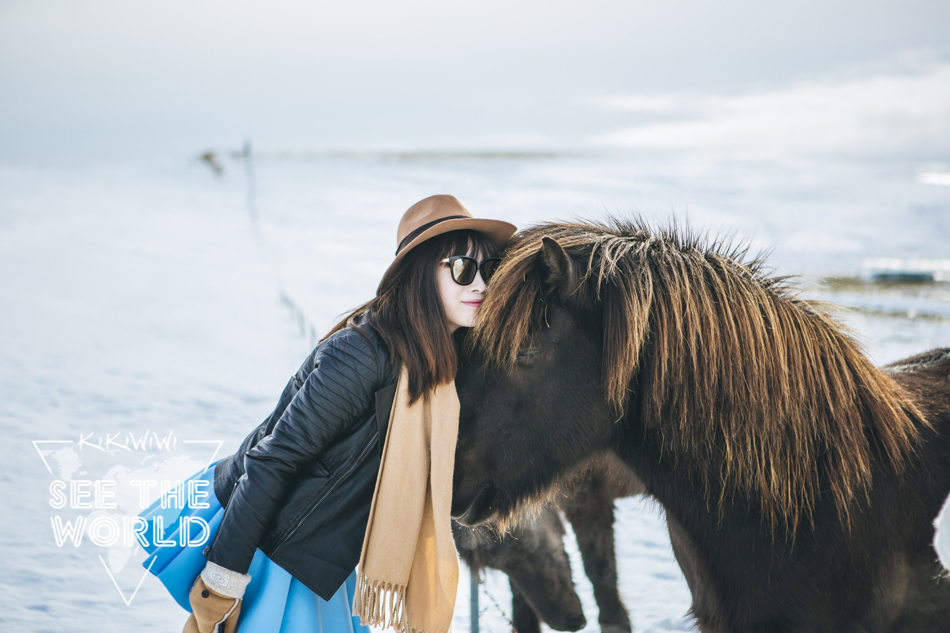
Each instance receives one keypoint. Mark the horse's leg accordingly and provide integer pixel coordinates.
(523, 617)
(589, 506)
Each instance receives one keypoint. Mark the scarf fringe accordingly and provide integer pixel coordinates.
(382, 604)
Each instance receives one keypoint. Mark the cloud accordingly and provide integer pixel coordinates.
(641, 103)
(879, 114)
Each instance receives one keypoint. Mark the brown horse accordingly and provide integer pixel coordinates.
(799, 481)
(533, 557)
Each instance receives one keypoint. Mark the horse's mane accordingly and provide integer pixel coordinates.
(748, 386)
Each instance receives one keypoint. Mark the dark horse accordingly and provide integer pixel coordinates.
(799, 481)
(532, 556)
(532, 553)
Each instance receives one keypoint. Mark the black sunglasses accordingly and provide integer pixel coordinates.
(463, 268)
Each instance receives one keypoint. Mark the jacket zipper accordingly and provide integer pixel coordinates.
(325, 494)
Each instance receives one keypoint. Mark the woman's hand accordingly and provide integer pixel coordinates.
(216, 599)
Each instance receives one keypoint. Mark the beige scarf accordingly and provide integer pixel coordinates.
(408, 571)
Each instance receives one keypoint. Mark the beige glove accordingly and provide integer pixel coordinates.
(215, 600)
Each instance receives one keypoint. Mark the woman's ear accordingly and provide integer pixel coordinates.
(559, 272)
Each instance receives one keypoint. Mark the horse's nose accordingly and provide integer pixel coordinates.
(475, 506)
(576, 622)
(570, 622)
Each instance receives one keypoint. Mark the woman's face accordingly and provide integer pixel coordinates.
(460, 302)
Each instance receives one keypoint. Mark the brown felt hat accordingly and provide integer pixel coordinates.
(437, 215)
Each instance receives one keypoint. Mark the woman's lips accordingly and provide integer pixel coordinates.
(473, 304)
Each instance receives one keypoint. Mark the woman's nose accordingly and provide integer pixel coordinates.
(478, 284)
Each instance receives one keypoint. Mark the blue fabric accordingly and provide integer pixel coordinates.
(274, 602)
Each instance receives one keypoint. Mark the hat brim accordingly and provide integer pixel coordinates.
(498, 231)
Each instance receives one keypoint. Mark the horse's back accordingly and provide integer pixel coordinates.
(935, 359)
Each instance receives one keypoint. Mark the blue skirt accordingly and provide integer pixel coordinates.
(274, 602)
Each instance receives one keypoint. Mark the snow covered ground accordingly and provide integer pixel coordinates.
(147, 301)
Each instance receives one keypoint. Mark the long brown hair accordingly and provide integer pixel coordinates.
(408, 312)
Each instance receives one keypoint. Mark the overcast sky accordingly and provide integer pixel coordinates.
(94, 79)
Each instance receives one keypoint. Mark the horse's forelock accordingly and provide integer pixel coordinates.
(512, 310)
(753, 388)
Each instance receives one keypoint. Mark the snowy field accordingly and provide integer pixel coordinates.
(149, 301)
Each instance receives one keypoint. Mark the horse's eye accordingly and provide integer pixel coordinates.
(528, 357)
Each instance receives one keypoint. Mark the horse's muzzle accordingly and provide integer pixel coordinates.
(473, 508)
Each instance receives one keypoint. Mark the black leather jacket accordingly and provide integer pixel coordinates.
(300, 486)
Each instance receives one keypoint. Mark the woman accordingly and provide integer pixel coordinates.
(298, 494)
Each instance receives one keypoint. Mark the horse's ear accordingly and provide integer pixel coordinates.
(560, 271)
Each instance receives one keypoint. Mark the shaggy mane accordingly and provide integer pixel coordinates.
(749, 386)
